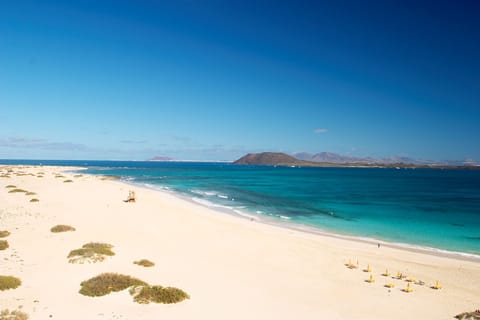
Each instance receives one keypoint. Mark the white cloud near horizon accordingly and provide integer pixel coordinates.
(133, 141)
(321, 130)
(21, 142)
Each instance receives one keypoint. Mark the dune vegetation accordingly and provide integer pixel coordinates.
(91, 252)
(3, 244)
(60, 227)
(9, 282)
(158, 294)
(17, 191)
(4, 233)
(13, 315)
(144, 263)
(105, 283)
(141, 291)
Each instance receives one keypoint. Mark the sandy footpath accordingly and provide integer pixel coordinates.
(232, 268)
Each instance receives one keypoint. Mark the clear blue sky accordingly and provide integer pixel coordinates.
(216, 79)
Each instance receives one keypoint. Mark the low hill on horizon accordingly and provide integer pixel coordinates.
(269, 159)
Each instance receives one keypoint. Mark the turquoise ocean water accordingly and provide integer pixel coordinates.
(437, 209)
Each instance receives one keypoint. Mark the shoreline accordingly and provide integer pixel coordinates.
(232, 268)
(278, 222)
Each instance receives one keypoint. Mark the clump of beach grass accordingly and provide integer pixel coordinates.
(91, 252)
(4, 233)
(105, 283)
(61, 227)
(17, 190)
(34, 200)
(3, 244)
(158, 294)
(78, 176)
(144, 263)
(30, 193)
(10, 186)
(68, 180)
(9, 282)
(13, 315)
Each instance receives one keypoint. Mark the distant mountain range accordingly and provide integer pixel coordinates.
(161, 159)
(330, 157)
(326, 159)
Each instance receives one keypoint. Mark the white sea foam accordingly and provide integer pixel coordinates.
(243, 214)
(203, 202)
(210, 204)
(199, 192)
(204, 193)
(236, 210)
(209, 193)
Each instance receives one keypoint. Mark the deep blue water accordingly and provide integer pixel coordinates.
(423, 207)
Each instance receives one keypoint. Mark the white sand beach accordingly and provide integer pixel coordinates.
(232, 268)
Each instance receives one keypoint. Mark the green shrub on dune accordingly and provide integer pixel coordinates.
(61, 227)
(141, 291)
(99, 246)
(17, 191)
(108, 282)
(34, 200)
(158, 294)
(144, 263)
(13, 315)
(9, 282)
(3, 244)
(4, 233)
(10, 186)
(91, 252)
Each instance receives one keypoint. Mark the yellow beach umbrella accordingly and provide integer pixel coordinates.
(437, 285)
(371, 279)
(408, 289)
